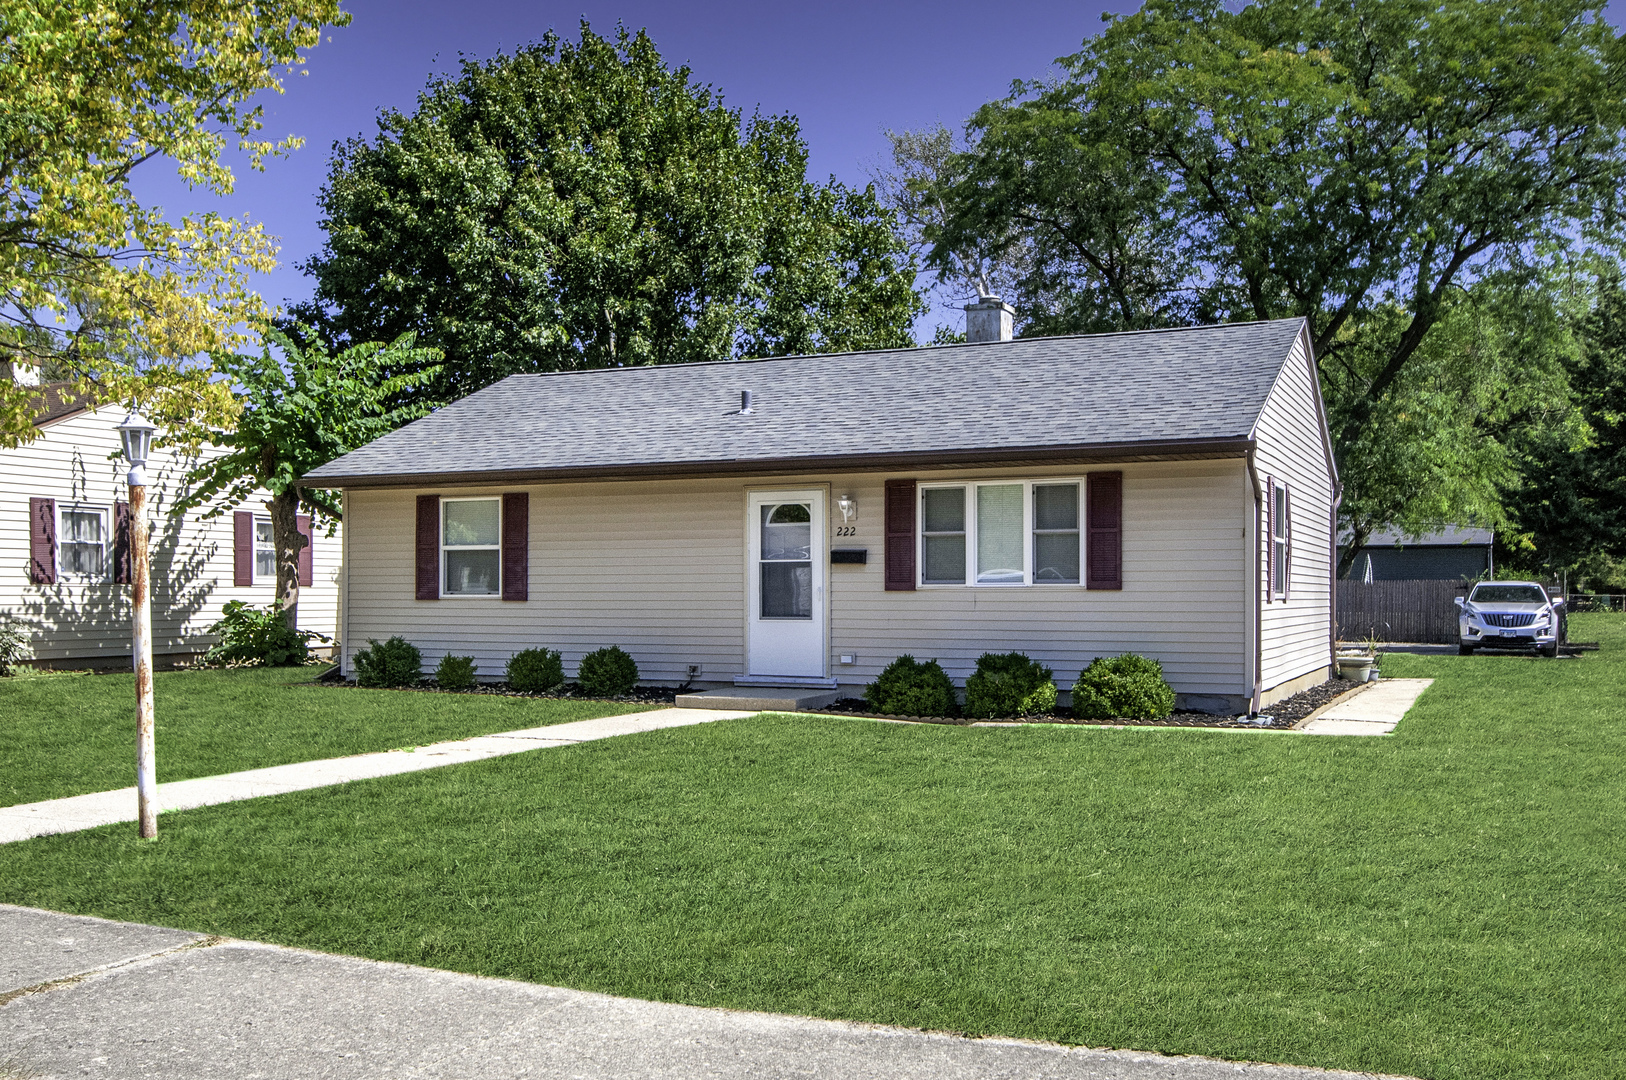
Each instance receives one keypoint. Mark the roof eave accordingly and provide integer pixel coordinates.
(1084, 454)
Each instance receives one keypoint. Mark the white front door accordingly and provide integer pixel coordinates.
(785, 568)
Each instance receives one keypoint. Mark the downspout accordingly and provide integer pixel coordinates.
(1332, 585)
(343, 627)
(1253, 576)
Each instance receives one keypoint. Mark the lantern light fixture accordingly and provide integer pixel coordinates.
(136, 434)
(848, 507)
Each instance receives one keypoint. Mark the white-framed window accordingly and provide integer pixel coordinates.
(265, 550)
(1281, 539)
(471, 546)
(1001, 533)
(83, 543)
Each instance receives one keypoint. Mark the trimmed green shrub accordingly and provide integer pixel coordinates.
(13, 644)
(533, 671)
(455, 672)
(910, 688)
(1009, 684)
(250, 635)
(607, 672)
(396, 662)
(1126, 687)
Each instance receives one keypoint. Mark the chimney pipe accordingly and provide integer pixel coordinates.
(745, 404)
(989, 319)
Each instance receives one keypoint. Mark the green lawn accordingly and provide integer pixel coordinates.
(72, 733)
(1446, 902)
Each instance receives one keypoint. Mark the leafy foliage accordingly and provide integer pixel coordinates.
(1360, 165)
(14, 648)
(1009, 684)
(396, 662)
(607, 672)
(455, 672)
(249, 635)
(1569, 498)
(535, 671)
(101, 290)
(579, 205)
(908, 687)
(1127, 687)
(296, 414)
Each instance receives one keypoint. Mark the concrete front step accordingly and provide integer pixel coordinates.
(759, 699)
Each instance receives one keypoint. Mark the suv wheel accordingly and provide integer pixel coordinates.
(1465, 650)
(1550, 650)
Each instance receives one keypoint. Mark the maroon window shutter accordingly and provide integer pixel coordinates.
(307, 573)
(900, 535)
(516, 551)
(1287, 535)
(42, 541)
(242, 548)
(428, 547)
(123, 571)
(1270, 540)
(1104, 553)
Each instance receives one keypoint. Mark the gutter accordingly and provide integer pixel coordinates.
(1332, 572)
(1168, 450)
(1258, 595)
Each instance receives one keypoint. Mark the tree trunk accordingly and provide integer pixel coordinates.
(1360, 533)
(285, 535)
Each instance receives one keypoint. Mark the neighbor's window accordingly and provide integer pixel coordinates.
(471, 548)
(1281, 539)
(942, 535)
(1016, 533)
(82, 542)
(265, 551)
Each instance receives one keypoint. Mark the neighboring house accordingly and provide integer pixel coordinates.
(64, 540)
(1451, 554)
(802, 521)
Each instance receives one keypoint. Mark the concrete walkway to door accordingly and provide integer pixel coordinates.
(111, 807)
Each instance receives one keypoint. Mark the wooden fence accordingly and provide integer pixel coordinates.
(1420, 611)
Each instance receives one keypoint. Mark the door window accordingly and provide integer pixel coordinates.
(786, 562)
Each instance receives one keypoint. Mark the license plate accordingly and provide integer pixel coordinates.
(1509, 633)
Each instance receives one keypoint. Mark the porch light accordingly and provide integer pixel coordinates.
(848, 507)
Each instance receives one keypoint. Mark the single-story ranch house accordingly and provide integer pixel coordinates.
(802, 521)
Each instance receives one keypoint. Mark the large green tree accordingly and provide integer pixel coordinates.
(584, 205)
(1568, 495)
(300, 410)
(95, 287)
(1362, 163)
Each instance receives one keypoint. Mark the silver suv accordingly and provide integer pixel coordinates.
(1510, 615)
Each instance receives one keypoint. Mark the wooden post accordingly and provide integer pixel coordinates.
(141, 633)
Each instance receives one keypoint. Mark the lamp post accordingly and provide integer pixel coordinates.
(136, 434)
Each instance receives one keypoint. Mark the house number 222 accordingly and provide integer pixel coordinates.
(846, 530)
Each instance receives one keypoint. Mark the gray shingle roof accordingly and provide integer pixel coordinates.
(1199, 384)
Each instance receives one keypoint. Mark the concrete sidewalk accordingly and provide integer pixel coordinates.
(94, 999)
(110, 807)
(1374, 711)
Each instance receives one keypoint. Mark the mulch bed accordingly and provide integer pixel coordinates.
(1283, 714)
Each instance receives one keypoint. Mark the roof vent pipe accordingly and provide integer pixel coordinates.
(745, 404)
(989, 319)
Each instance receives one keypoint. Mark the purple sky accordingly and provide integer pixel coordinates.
(847, 70)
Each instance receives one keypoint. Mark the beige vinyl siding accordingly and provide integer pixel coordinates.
(1291, 449)
(192, 558)
(658, 567)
